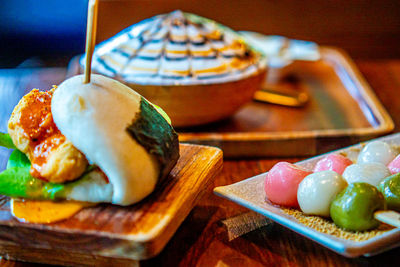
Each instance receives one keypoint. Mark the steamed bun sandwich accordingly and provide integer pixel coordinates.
(94, 142)
(194, 68)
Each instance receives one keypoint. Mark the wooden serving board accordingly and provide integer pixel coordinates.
(107, 234)
(343, 110)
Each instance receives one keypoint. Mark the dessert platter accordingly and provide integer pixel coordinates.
(335, 199)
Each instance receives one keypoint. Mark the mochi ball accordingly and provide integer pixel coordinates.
(372, 173)
(282, 182)
(376, 151)
(317, 191)
(394, 166)
(333, 162)
(353, 209)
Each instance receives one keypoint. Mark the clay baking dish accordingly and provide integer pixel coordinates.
(195, 69)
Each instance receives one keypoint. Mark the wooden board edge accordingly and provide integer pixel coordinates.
(61, 257)
(160, 239)
(386, 122)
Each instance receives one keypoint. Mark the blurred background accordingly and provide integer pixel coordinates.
(50, 32)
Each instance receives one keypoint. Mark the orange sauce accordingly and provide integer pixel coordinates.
(40, 211)
(215, 35)
(37, 123)
(178, 52)
(219, 69)
(202, 53)
(42, 150)
(36, 118)
(179, 72)
(235, 45)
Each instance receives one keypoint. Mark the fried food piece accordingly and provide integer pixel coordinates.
(33, 131)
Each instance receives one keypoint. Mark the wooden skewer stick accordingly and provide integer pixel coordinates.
(389, 217)
(290, 99)
(91, 30)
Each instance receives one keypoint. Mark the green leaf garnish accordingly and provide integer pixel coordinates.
(16, 180)
(18, 159)
(5, 141)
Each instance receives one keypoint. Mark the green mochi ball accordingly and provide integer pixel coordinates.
(390, 188)
(353, 208)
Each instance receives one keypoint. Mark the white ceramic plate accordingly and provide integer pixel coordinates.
(250, 194)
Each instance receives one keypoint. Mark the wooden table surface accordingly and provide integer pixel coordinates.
(202, 238)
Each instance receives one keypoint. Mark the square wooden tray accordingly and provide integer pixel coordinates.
(342, 108)
(109, 234)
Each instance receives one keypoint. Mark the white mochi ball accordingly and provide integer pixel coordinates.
(376, 151)
(317, 191)
(372, 173)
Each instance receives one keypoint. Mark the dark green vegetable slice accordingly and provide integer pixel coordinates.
(156, 135)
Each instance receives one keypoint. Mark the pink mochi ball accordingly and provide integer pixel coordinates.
(333, 162)
(394, 166)
(282, 182)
